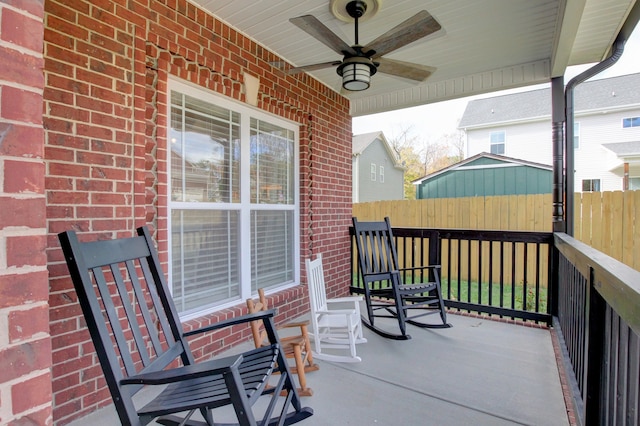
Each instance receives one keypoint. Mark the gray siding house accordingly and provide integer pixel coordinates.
(607, 130)
(485, 175)
(377, 172)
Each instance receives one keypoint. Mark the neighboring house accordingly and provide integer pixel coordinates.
(377, 172)
(486, 174)
(607, 130)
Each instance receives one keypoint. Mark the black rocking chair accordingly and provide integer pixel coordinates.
(382, 281)
(138, 338)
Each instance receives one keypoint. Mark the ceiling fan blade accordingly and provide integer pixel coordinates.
(312, 26)
(313, 67)
(419, 25)
(404, 69)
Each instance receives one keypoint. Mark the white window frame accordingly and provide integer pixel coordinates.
(245, 207)
(633, 122)
(503, 142)
(592, 185)
(381, 174)
(374, 172)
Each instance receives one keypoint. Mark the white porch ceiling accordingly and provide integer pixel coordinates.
(483, 46)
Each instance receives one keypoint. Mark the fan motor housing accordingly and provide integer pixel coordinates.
(340, 9)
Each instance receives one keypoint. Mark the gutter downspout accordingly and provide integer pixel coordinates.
(558, 111)
(618, 48)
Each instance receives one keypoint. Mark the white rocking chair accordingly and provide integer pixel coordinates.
(332, 328)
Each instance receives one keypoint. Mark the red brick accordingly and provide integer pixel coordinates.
(33, 7)
(41, 417)
(21, 141)
(23, 359)
(68, 169)
(21, 105)
(31, 393)
(23, 176)
(21, 30)
(24, 325)
(17, 66)
(26, 250)
(27, 212)
(20, 289)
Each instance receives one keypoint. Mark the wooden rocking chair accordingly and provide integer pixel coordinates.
(139, 339)
(382, 281)
(295, 346)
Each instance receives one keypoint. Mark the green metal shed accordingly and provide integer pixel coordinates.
(485, 175)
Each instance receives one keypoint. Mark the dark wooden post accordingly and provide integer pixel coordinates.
(594, 350)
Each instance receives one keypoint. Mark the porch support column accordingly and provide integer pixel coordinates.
(557, 126)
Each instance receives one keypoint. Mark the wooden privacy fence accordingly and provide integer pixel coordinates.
(607, 221)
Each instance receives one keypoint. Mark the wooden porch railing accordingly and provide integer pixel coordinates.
(496, 272)
(598, 319)
(591, 299)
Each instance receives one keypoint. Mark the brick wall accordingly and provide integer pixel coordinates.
(25, 348)
(106, 70)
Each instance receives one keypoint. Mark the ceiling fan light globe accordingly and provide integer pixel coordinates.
(355, 76)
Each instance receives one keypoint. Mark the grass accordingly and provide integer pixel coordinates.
(512, 295)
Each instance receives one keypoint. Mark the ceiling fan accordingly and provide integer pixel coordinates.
(359, 62)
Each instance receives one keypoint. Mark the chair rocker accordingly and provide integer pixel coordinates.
(140, 343)
(335, 323)
(295, 346)
(382, 281)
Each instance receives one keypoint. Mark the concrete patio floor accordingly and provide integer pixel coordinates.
(479, 372)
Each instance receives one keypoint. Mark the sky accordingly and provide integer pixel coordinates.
(431, 122)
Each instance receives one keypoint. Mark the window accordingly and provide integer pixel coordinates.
(576, 135)
(634, 183)
(373, 172)
(381, 174)
(497, 142)
(590, 185)
(232, 200)
(631, 122)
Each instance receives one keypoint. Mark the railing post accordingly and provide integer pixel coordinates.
(594, 351)
(553, 279)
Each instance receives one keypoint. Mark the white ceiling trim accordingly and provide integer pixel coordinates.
(506, 78)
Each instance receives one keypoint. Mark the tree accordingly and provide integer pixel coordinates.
(421, 157)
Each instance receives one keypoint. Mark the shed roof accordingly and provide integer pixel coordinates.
(498, 158)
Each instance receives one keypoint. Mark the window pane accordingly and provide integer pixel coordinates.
(576, 135)
(205, 257)
(204, 152)
(634, 183)
(497, 140)
(271, 230)
(497, 137)
(272, 164)
(497, 149)
(590, 185)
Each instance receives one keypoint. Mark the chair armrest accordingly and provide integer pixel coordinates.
(417, 268)
(337, 312)
(294, 324)
(204, 369)
(345, 299)
(262, 315)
